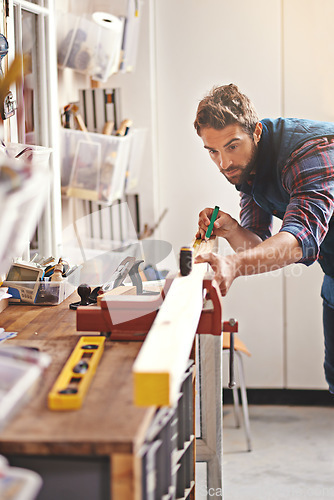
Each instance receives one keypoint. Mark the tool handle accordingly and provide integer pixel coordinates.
(84, 291)
(231, 326)
(232, 382)
(212, 221)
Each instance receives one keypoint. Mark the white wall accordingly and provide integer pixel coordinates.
(308, 93)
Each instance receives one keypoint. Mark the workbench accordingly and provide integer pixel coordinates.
(97, 451)
(82, 447)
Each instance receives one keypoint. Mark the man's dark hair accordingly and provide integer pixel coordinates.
(224, 106)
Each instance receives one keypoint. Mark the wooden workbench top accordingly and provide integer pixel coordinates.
(107, 422)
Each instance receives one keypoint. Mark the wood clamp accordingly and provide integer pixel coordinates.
(131, 317)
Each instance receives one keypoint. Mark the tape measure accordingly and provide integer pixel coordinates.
(186, 260)
(186, 257)
(197, 243)
(74, 380)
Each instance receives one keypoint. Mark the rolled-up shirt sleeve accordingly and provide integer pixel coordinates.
(309, 180)
(254, 218)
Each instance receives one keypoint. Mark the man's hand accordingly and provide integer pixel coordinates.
(223, 267)
(226, 227)
(274, 253)
(223, 226)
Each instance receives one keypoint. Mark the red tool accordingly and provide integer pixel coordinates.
(131, 317)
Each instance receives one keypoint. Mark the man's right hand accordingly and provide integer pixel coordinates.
(224, 224)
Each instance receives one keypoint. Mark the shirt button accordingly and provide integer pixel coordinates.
(275, 212)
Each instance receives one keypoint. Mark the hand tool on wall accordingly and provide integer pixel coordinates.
(72, 110)
(124, 128)
(8, 107)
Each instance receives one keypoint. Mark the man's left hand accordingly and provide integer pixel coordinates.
(223, 267)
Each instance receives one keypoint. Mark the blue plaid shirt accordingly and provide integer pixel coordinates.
(301, 193)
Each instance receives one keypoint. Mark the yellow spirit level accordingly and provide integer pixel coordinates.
(74, 380)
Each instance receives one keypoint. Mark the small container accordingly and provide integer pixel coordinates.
(88, 47)
(94, 165)
(42, 293)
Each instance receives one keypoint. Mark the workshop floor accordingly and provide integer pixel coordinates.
(292, 456)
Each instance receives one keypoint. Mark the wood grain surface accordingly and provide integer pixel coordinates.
(107, 422)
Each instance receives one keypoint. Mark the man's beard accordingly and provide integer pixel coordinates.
(246, 170)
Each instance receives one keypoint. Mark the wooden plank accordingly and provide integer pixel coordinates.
(162, 360)
(123, 477)
(119, 290)
(205, 246)
(209, 445)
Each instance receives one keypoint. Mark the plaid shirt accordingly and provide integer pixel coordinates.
(308, 178)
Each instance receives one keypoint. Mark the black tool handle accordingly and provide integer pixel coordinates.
(232, 382)
(186, 260)
(84, 292)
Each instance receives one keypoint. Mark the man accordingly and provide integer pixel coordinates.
(282, 167)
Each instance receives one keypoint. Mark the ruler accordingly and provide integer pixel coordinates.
(72, 384)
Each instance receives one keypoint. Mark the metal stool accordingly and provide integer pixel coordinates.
(234, 347)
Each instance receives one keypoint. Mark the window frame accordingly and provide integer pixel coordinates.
(47, 123)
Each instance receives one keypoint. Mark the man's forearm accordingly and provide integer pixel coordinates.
(275, 252)
(272, 254)
(241, 239)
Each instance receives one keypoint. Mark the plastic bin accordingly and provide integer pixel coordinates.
(39, 155)
(138, 141)
(19, 484)
(94, 165)
(87, 47)
(42, 293)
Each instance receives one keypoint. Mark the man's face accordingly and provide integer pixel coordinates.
(233, 151)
